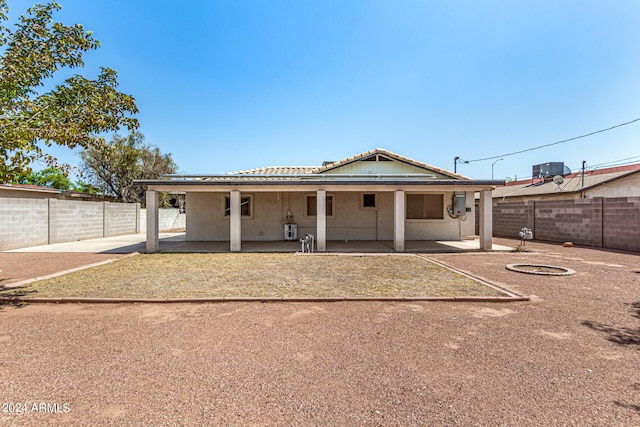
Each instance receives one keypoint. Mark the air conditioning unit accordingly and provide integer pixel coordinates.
(549, 170)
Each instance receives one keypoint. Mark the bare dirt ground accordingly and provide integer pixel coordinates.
(568, 357)
(163, 276)
(19, 266)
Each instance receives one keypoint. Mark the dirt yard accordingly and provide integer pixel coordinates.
(569, 356)
(259, 275)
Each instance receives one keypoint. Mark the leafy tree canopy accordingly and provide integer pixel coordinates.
(74, 113)
(49, 177)
(112, 167)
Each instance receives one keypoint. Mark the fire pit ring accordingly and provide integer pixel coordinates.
(541, 269)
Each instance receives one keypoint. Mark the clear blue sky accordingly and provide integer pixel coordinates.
(236, 84)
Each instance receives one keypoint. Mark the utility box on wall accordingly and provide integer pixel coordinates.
(459, 204)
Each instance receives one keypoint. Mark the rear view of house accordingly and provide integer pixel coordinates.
(373, 196)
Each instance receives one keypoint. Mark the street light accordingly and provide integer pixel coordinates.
(492, 166)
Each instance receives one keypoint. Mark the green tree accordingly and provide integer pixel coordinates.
(112, 167)
(73, 114)
(49, 177)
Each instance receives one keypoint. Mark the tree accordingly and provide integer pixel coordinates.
(73, 114)
(49, 177)
(112, 167)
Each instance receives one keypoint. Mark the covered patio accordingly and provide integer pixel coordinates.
(376, 201)
(178, 243)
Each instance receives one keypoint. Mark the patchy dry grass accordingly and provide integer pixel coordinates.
(259, 275)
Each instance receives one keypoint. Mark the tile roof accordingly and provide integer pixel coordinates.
(276, 170)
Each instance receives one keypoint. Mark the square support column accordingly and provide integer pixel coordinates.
(486, 220)
(398, 221)
(153, 234)
(235, 222)
(321, 220)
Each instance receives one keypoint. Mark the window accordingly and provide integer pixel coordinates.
(425, 206)
(312, 205)
(245, 206)
(368, 200)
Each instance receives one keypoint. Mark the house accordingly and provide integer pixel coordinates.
(377, 195)
(599, 208)
(620, 181)
(30, 191)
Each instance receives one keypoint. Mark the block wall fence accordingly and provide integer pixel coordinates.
(612, 223)
(34, 222)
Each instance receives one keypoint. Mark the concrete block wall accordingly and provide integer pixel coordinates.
(511, 217)
(23, 223)
(168, 219)
(71, 220)
(120, 218)
(578, 221)
(33, 222)
(622, 223)
(612, 223)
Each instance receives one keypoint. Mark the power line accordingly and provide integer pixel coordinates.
(619, 162)
(553, 143)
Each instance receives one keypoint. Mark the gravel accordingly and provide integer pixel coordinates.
(570, 356)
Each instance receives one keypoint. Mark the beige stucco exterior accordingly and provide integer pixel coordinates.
(254, 206)
(207, 221)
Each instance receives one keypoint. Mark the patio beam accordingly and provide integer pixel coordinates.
(235, 222)
(486, 220)
(153, 234)
(398, 221)
(321, 220)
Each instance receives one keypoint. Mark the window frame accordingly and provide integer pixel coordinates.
(328, 196)
(375, 201)
(226, 204)
(425, 211)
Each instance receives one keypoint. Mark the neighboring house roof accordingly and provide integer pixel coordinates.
(45, 192)
(29, 188)
(572, 183)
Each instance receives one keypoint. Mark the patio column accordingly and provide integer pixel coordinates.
(321, 220)
(235, 222)
(486, 220)
(153, 236)
(398, 221)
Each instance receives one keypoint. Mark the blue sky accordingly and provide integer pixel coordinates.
(237, 84)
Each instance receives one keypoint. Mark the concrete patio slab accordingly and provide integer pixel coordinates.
(176, 242)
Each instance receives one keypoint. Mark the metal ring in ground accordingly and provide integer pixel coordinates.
(541, 269)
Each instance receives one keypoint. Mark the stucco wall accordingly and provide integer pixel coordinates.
(624, 187)
(350, 220)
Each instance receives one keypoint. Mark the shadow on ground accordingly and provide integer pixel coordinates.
(620, 335)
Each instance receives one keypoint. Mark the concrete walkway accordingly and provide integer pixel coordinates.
(176, 242)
